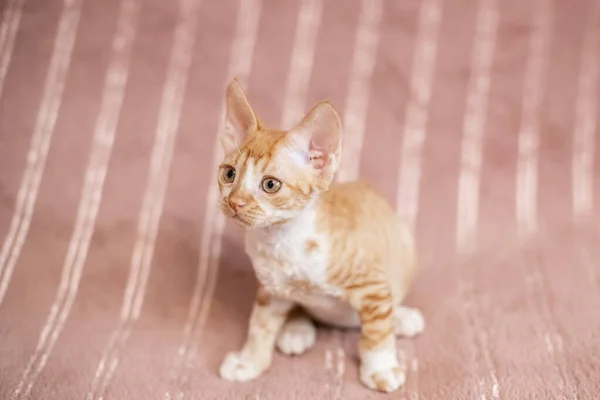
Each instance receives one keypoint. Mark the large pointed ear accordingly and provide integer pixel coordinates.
(240, 119)
(320, 135)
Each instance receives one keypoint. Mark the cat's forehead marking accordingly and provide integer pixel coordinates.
(263, 144)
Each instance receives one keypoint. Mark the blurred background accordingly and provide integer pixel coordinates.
(477, 119)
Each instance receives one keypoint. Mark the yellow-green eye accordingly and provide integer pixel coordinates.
(271, 185)
(229, 174)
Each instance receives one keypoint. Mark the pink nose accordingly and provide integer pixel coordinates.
(236, 203)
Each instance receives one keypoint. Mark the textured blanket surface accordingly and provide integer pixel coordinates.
(477, 119)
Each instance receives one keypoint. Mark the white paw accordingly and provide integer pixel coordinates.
(296, 336)
(384, 381)
(384, 378)
(381, 371)
(236, 368)
(409, 321)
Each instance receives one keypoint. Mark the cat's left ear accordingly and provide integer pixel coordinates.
(240, 118)
(320, 135)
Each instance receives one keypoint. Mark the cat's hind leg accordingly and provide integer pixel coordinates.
(409, 321)
(297, 335)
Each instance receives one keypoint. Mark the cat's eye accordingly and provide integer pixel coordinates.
(271, 185)
(229, 174)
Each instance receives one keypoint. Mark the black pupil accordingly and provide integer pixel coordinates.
(230, 174)
(270, 184)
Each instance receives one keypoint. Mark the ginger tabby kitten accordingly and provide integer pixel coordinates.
(334, 252)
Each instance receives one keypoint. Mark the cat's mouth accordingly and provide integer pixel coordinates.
(238, 218)
(241, 221)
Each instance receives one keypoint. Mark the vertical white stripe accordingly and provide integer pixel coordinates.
(586, 119)
(529, 135)
(421, 86)
(527, 164)
(8, 33)
(40, 142)
(357, 101)
(414, 133)
(414, 367)
(528, 153)
(169, 116)
(484, 344)
(334, 384)
(481, 387)
(340, 368)
(470, 174)
(328, 359)
(302, 61)
(241, 57)
(553, 340)
(95, 174)
(474, 125)
(477, 335)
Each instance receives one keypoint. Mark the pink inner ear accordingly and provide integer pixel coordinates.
(320, 135)
(321, 147)
(319, 159)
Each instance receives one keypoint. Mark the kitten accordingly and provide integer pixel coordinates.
(334, 252)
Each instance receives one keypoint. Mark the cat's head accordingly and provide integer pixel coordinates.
(268, 176)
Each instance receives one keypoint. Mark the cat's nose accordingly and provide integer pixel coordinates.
(236, 203)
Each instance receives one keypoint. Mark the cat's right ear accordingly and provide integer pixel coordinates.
(240, 119)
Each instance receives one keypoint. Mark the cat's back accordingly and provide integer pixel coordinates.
(352, 205)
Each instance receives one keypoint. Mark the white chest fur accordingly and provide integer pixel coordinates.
(292, 260)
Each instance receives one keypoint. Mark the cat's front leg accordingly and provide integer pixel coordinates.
(379, 367)
(269, 313)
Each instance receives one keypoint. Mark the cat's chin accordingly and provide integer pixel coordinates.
(241, 221)
(256, 224)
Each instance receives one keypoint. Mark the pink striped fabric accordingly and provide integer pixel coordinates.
(477, 119)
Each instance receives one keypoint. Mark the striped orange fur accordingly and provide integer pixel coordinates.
(321, 251)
